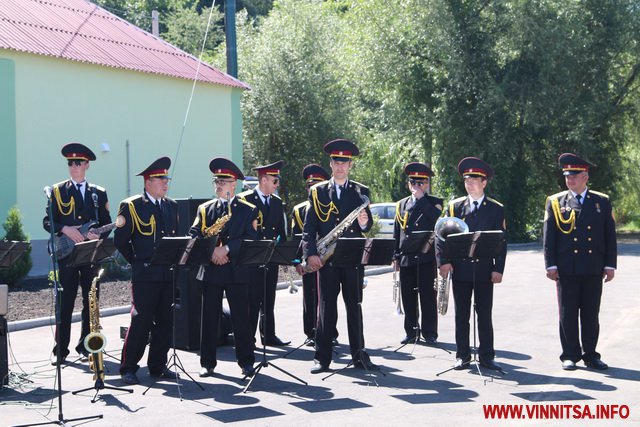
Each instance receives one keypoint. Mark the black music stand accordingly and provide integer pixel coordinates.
(172, 251)
(11, 251)
(350, 252)
(474, 245)
(261, 253)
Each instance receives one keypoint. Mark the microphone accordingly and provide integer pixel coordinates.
(47, 191)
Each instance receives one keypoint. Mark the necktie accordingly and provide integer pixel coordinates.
(475, 207)
(579, 198)
(225, 207)
(80, 201)
(266, 204)
(158, 205)
(340, 190)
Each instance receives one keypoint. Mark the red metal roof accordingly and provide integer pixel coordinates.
(82, 31)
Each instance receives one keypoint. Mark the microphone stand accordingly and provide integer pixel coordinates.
(61, 421)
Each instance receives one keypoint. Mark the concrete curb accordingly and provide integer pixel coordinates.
(20, 325)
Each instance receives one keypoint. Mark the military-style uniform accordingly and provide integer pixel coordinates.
(141, 225)
(70, 208)
(489, 215)
(271, 226)
(327, 212)
(412, 216)
(309, 280)
(230, 278)
(580, 241)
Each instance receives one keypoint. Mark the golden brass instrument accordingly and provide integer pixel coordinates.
(217, 226)
(396, 293)
(326, 246)
(95, 341)
(443, 287)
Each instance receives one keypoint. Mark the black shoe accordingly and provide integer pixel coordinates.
(490, 364)
(248, 370)
(129, 378)
(54, 362)
(408, 339)
(569, 365)
(431, 340)
(596, 364)
(205, 372)
(277, 342)
(319, 368)
(165, 373)
(310, 342)
(461, 363)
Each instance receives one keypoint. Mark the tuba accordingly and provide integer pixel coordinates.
(327, 245)
(444, 227)
(95, 342)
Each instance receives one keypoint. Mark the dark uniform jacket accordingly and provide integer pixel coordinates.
(591, 245)
(271, 225)
(327, 211)
(140, 226)
(490, 216)
(237, 229)
(69, 208)
(410, 217)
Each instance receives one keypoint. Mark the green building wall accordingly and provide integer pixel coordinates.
(46, 102)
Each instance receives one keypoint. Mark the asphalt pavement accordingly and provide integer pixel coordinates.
(408, 389)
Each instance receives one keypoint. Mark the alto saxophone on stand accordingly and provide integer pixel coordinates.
(96, 341)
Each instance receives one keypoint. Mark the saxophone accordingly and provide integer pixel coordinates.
(95, 342)
(326, 246)
(217, 226)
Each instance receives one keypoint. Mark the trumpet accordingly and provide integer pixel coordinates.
(396, 293)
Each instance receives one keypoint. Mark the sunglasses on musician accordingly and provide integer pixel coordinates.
(419, 182)
(75, 162)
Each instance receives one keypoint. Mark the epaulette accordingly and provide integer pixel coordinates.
(207, 204)
(361, 186)
(58, 184)
(606, 196)
(300, 205)
(558, 195)
(244, 202)
(244, 194)
(495, 201)
(459, 199)
(97, 187)
(317, 184)
(275, 196)
(132, 198)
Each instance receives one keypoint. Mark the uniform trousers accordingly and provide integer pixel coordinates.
(579, 298)
(70, 279)
(238, 299)
(411, 289)
(151, 312)
(332, 280)
(256, 296)
(462, 295)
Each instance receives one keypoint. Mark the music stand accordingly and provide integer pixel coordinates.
(475, 245)
(261, 253)
(349, 253)
(172, 251)
(11, 251)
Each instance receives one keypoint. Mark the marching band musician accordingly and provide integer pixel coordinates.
(579, 251)
(271, 226)
(312, 174)
(224, 274)
(481, 213)
(330, 201)
(143, 220)
(417, 212)
(75, 203)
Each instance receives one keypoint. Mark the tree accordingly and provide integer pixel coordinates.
(15, 232)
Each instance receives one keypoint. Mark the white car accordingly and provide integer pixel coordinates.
(386, 213)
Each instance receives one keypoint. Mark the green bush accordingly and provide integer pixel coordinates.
(15, 232)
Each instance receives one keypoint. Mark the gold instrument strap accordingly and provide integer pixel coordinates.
(71, 204)
(401, 220)
(296, 214)
(137, 221)
(560, 221)
(452, 212)
(318, 207)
